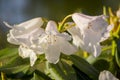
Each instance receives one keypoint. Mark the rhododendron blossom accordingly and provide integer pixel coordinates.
(53, 43)
(89, 32)
(23, 34)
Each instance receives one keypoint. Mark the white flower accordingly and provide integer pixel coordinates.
(23, 34)
(89, 32)
(106, 75)
(53, 43)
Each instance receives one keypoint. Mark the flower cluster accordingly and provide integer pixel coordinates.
(87, 33)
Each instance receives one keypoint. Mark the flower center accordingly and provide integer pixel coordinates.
(51, 39)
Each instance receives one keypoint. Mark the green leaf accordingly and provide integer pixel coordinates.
(40, 76)
(15, 64)
(117, 54)
(12, 63)
(61, 71)
(8, 52)
(80, 74)
(98, 64)
(37, 77)
(15, 69)
(85, 67)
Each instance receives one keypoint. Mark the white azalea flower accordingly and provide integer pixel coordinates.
(23, 34)
(106, 75)
(53, 43)
(89, 32)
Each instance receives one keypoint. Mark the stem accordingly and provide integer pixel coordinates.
(63, 21)
(113, 47)
(110, 12)
(2, 74)
(104, 10)
(118, 29)
(107, 48)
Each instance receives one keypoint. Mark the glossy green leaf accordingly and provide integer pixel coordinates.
(61, 71)
(8, 52)
(15, 69)
(85, 67)
(40, 76)
(12, 63)
(117, 54)
(15, 65)
(80, 74)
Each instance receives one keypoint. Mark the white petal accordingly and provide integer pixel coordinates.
(74, 31)
(65, 46)
(30, 24)
(76, 35)
(43, 42)
(15, 37)
(52, 54)
(51, 28)
(12, 39)
(33, 58)
(91, 36)
(110, 27)
(24, 52)
(106, 34)
(106, 75)
(97, 50)
(65, 35)
(81, 20)
(98, 23)
(91, 42)
(9, 26)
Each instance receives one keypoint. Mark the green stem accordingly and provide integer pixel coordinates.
(113, 47)
(2, 74)
(118, 29)
(107, 48)
(104, 10)
(63, 21)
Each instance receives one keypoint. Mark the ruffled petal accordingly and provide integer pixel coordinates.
(25, 52)
(12, 39)
(30, 24)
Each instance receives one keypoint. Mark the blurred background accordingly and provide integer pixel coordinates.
(17, 11)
